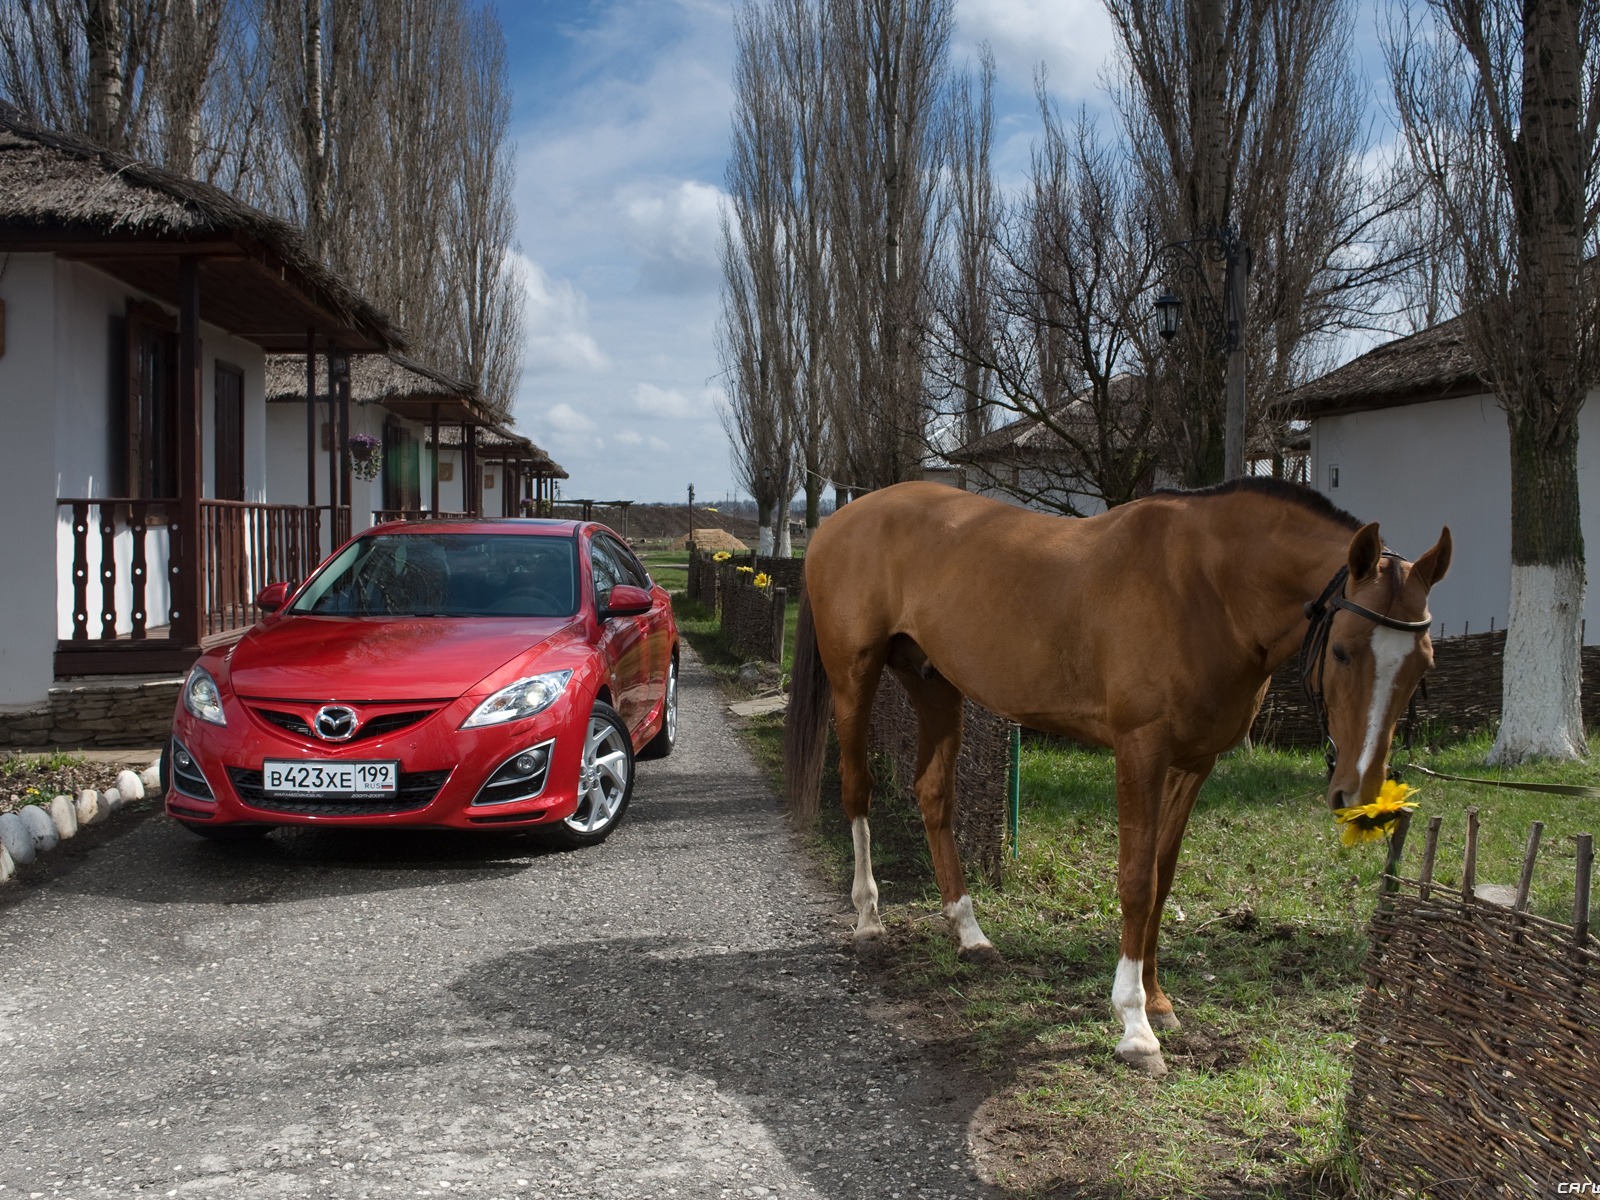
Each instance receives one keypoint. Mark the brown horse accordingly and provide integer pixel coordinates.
(1151, 629)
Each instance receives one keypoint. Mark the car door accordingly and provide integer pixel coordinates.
(657, 633)
(622, 639)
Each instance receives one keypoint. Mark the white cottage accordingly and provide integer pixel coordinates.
(137, 309)
(1410, 436)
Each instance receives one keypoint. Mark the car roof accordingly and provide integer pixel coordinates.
(534, 526)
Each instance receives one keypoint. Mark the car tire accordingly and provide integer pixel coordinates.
(605, 782)
(228, 833)
(661, 745)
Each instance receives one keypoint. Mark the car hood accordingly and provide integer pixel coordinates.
(382, 658)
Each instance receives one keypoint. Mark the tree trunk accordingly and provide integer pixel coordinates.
(103, 33)
(1541, 710)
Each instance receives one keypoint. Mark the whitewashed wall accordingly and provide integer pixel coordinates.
(1421, 466)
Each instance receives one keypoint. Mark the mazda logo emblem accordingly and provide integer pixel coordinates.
(335, 723)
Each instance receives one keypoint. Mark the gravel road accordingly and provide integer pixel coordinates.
(331, 1015)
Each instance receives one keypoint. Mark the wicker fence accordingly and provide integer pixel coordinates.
(1476, 1071)
(753, 618)
(981, 772)
(1463, 692)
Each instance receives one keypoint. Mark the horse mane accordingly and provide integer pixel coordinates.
(1277, 489)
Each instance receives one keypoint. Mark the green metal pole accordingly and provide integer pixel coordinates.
(1015, 787)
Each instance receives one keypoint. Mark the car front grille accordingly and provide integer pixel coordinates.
(370, 728)
(417, 790)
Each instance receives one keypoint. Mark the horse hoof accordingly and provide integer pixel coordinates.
(1146, 1062)
(870, 944)
(1164, 1020)
(981, 955)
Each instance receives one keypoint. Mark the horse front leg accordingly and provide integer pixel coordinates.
(1181, 789)
(939, 716)
(1141, 778)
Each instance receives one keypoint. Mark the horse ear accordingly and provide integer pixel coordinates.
(1431, 567)
(1365, 550)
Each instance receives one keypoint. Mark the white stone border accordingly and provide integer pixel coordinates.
(37, 829)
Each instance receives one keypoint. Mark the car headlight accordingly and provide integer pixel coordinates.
(201, 697)
(522, 699)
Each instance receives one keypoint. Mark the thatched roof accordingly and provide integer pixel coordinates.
(403, 386)
(496, 443)
(1432, 365)
(258, 278)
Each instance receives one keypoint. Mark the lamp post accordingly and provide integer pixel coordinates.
(1224, 322)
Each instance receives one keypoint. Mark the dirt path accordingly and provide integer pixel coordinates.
(669, 1014)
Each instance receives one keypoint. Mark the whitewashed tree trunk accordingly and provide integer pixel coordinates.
(785, 546)
(1541, 716)
(764, 537)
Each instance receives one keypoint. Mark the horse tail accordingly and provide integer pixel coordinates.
(805, 726)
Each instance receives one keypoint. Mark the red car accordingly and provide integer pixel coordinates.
(461, 674)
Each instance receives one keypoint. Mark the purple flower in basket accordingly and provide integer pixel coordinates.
(365, 462)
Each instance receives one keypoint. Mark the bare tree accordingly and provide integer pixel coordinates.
(1067, 346)
(888, 62)
(1247, 112)
(1499, 103)
(757, 341)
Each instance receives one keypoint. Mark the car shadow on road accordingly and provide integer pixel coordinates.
(776, 1032)
(288, 864)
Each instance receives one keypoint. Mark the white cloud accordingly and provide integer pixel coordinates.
(675, 228)
(1072, 38)
(673, 403)
(555, 320)
(629, 437)
(565, 419)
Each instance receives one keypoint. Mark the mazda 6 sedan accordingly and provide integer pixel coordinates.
(459, 674)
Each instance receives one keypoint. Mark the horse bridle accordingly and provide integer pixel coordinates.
(1313, 650)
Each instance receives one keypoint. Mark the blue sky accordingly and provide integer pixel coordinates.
(621, 131)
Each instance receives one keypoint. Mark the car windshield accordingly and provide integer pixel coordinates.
(447, 575)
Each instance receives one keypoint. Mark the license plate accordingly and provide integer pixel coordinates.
(307, 777)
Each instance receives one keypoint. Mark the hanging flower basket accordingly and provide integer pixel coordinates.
(365, 459)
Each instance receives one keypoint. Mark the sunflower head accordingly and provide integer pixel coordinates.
(1362, 823)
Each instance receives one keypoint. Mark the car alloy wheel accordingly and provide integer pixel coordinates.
(605, 780)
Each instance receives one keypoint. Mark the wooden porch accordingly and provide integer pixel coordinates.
(149, 590)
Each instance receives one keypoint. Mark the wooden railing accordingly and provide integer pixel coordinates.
(381, 515)
(125, 566)
(245, 546)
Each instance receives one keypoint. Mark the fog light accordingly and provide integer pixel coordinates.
(183, 759)
(530, 762)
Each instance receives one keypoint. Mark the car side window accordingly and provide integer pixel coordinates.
(629, 568)
(607, 573)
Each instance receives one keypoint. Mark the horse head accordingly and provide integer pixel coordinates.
(1374, 651)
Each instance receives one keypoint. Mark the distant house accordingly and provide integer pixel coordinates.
(137, 311)
(431, 435)
(1409, 435)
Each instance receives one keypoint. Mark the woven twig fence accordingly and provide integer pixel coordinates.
(752, 617)
(1476, 1070)
(981, 794)
(703, 576)
(1463, 692)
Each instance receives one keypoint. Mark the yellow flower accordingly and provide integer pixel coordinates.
(721, 556)
(1362, 823)
(762, 580)
(746, 570)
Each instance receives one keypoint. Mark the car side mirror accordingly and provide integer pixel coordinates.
(626, 600)
(273, 597)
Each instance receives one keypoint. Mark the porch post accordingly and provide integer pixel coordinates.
(343, 441)
(333, 457)
(435, 416)
(188, 586)
(311, 443)
(470, 485)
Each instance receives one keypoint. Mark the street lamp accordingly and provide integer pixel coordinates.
(1224, 323)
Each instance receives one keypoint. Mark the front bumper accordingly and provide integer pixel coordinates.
(443, 768)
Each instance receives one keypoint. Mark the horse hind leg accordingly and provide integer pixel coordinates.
(852, 714)
(1141, 780)
(938, 707)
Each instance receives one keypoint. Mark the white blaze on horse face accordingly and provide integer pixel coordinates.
(864, 892)
(1127, 1001)
(1390, 649)
(964, 924)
